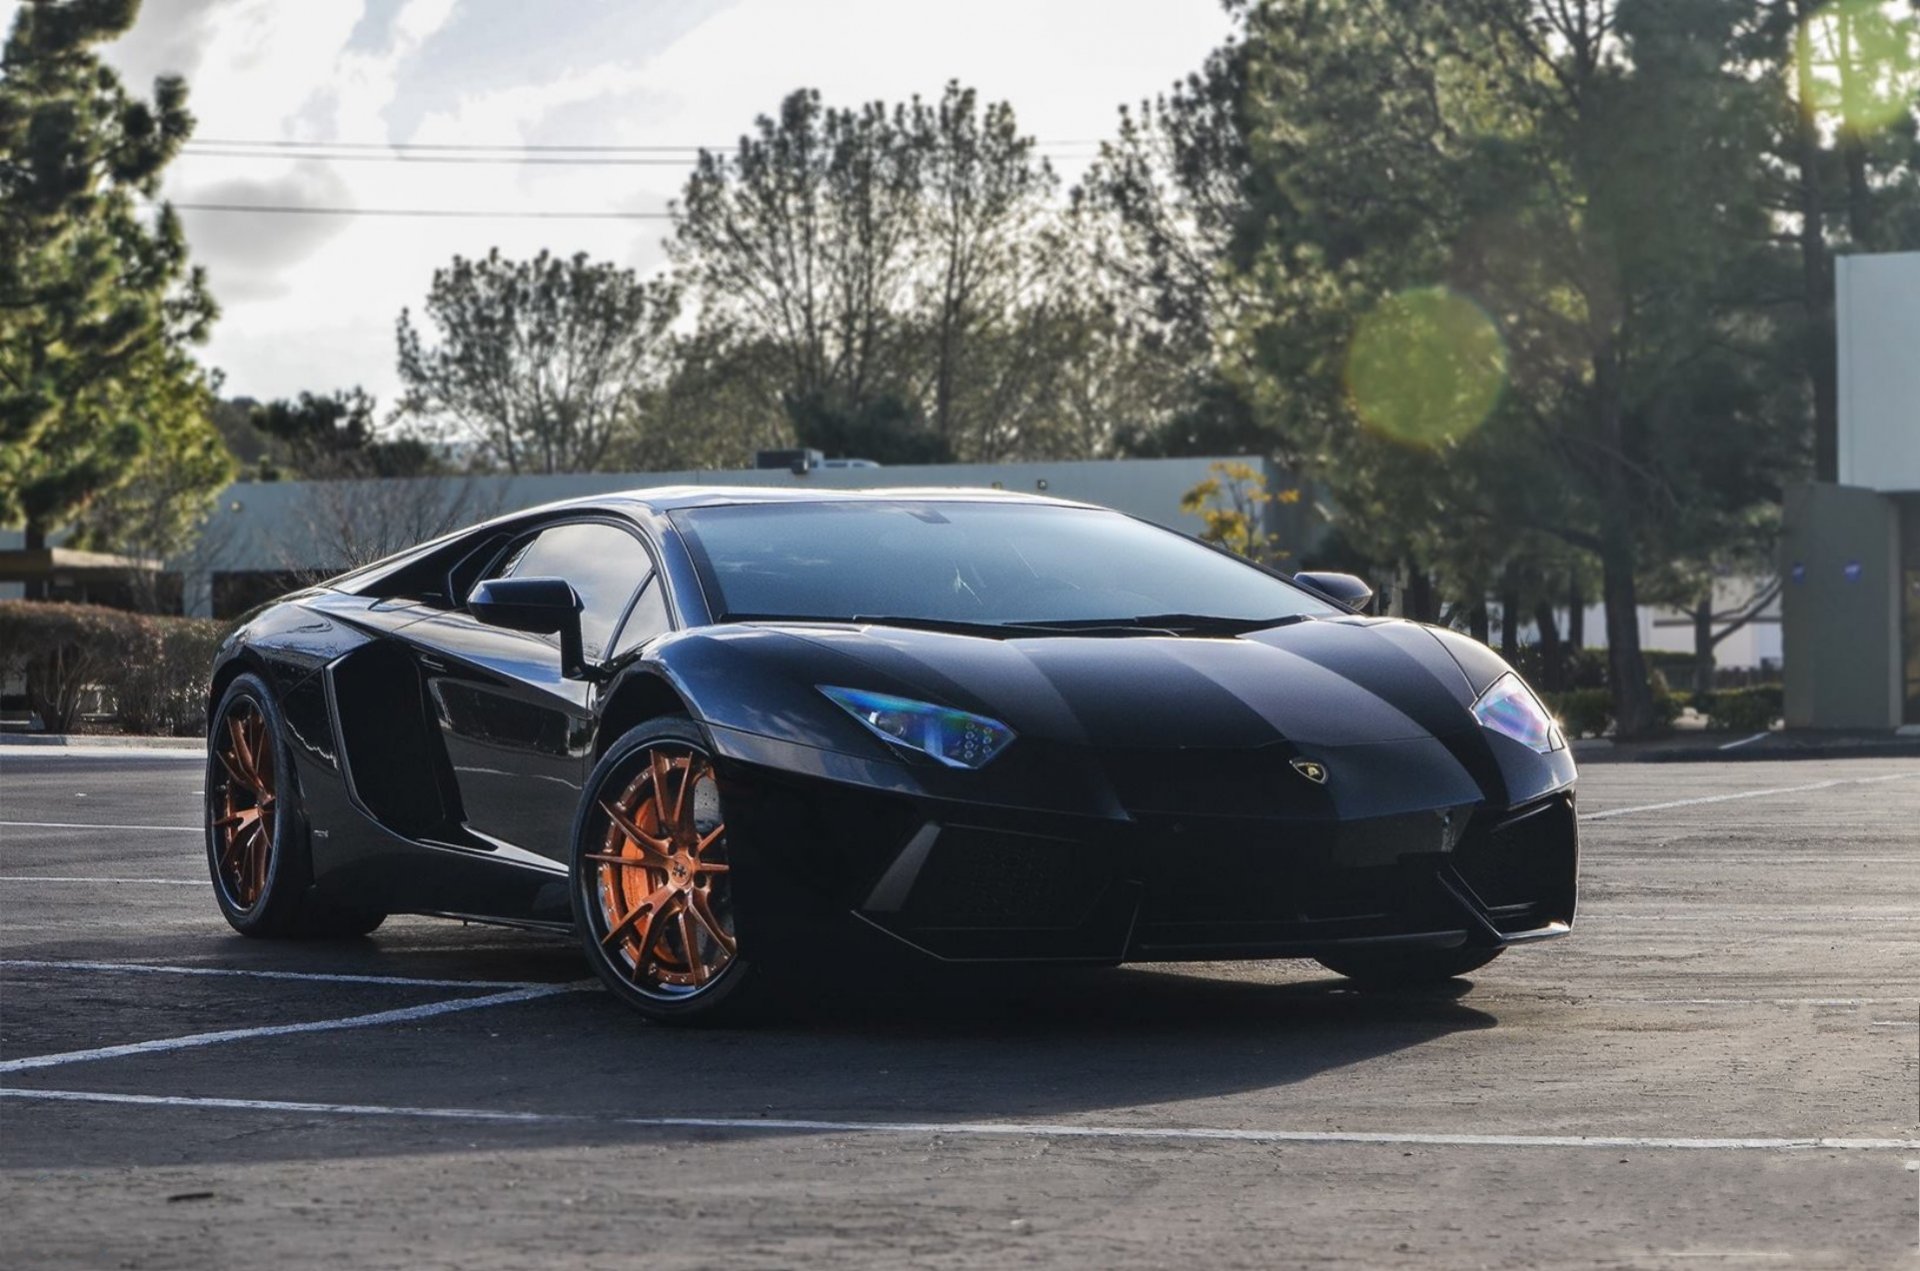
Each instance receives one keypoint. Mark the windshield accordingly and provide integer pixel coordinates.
(969, 563)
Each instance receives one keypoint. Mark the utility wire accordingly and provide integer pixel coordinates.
(444, 158)
(515, 147)
(437, 213)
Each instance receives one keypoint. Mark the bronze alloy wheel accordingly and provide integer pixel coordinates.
(661, 876)
(244, 803)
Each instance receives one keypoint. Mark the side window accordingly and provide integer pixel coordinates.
(604, 564)
(648, 619)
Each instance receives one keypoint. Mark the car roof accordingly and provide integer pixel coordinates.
(672, 498)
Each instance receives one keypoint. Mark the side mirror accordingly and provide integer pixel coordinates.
(1342, 589)
(542, 606)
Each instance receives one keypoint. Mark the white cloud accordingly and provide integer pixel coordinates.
(310, 303)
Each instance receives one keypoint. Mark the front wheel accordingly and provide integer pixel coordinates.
(256, 848)
(1406, 968)
(652, 879)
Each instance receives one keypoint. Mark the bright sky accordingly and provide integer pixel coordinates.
(310, 302)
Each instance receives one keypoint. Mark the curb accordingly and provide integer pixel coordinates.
(84, 741)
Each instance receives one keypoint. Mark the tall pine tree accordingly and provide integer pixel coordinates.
(98, 303)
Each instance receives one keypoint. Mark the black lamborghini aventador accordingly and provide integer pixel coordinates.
(719, 732)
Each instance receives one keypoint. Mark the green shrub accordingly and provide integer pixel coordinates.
(1745, 710)
(167, 696)
(152, 670)
(1667, 705)
(1582, 712)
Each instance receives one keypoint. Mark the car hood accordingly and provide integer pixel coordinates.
(1337, 682)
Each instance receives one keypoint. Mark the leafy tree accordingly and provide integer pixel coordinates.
(904, 274)
(1580, 180)
(1231, 504)
(544, 363)
(97, 300)
(1166, 207)
(160, 504)
(332, 436)
(1842, 160)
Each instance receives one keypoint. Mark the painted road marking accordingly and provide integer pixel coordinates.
(1745, 794)
(1744, 741)
(1000, 1129)
(404, 1015)
(55, 878)
(317, 977)
(80, 825)
(197, 754)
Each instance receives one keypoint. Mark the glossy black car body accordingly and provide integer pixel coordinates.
(1316, 786)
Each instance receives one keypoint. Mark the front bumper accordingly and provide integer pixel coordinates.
(963, 882)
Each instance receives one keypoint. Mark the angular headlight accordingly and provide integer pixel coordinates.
(955, 738)
(1510, 709)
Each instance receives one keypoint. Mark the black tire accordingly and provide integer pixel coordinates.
(690, 970)
(261, 876)
(1388, 967)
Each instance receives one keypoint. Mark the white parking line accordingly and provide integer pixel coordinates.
(404, 1015)
(316, 977)
(58, 878)
(999, 1129)
(192, 754)
(1745, 794)
(87, 825)
(1744, 741)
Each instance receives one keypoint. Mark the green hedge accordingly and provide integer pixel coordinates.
(151, 670)
(1744, 710)
(1588, 712)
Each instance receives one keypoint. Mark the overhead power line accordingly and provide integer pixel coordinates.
(441, 213)
(517, 160)
(510, 147)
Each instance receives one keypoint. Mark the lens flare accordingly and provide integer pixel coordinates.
(1858, 64)
(1426, 367)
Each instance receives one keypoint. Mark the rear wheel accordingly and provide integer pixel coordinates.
(256, 849)
(1406, 968)
(652, 879)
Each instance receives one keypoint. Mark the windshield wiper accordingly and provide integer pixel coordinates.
(964, 627)
(1171, 623)
(960, 626)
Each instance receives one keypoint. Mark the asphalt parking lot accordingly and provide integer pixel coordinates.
(1721, 1067)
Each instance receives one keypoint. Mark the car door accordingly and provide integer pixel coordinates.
(518, 735)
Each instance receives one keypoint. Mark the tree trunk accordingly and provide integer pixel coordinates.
(1477, 624)
(1626, 666)
(1419, 600)
(1816, 273)
(1552, 673)
(35, 541)
(1510, 621)
(1853, 148)
(1703, 642)
(1576, 618)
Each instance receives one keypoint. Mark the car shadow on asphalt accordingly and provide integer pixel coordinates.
(1008, 1045)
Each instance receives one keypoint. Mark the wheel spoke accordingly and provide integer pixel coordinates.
(661, 767)
(703, 911)
(261, 749)
(640, 920)
(711, 838)
(631, 828)
(244, 752)
(233, 773)
(646, 860)
(680, 794)
(229, 851)
(690, 941)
